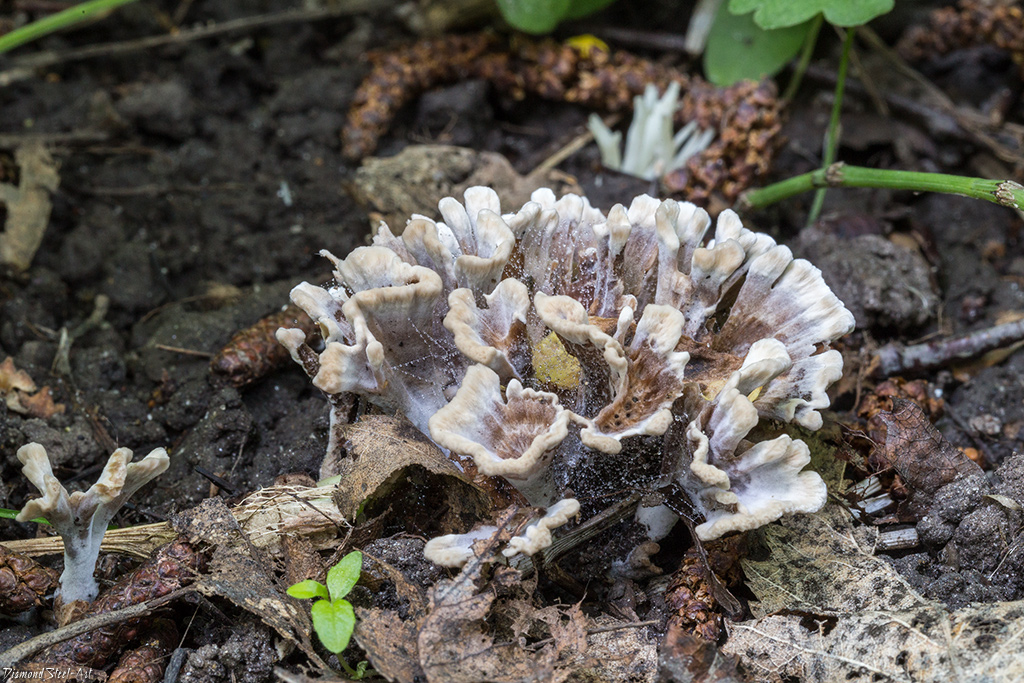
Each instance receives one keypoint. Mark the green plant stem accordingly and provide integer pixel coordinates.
(832, 141)
(55, 22)
(805, 59)
(1002, 192)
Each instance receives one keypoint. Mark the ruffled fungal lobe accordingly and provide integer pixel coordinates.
(556, 346)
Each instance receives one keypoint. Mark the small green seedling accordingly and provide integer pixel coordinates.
(333, 616)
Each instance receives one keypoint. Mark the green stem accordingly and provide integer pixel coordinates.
(55, 22)
(832, 141)
(805, 59)
(1002, 192)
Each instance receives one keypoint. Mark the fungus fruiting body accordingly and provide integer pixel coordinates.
(569, 350)
(81, 518)
(652, 147)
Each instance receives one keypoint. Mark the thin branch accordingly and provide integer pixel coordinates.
(77, 628)
(1003, 192)
(24, 66)
(896, 359)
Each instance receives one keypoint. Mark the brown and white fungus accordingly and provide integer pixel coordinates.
(568, 350)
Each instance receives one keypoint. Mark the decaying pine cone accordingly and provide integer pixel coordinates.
(171, 567)
(146, 663)
(23, 582)
(398, 76)
(253, 353)
(690, 595)
(973, 22)
(745, 116)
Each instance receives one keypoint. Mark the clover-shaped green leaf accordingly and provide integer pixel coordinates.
(541, 16)
(333, 622)
(771, 14)
(738, 48)
(344, 575)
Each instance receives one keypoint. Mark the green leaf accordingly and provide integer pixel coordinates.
(307, 589)
(534, 16)
(333, 623)
(771, 14)
(582, 8)
(344, 575)
(737, 48)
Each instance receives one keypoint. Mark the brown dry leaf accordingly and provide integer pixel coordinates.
(476, 629)
(28, 205)
(19, 392)
(238, 572)
(829, 611)
(919, 452)
(820, 561)
(41, 404)
(390, 644)
(687, 657)
(415, 179)
(387, 455)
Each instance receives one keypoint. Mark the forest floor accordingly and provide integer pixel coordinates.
(200, 178)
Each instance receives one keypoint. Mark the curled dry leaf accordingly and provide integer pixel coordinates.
(385, 456)
(28, 205)
(19, 392)
(917, 450)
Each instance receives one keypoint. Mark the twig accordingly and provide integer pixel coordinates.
(1003, 192)
(184, 352)
(159, 189)
(573, 146)
(77, 628)
(648, 40)
(896, 358)
(331, 10)
(973, 122)
(563, 543)
(701, 21)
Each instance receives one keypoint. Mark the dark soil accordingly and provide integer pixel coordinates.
(199, 181)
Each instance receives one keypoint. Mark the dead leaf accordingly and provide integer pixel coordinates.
(387, 458)
(923, 645)
(390, 644)
(418, 177)
(687, 657)
(919, 452)
(28, 205)
(41, 404)
(238, 573)
(19, 392)
(822, 562)
(414, 603)
(830, 611)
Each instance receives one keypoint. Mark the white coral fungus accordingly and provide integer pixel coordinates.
(652, 149)
(81, 518)
(564, 349)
